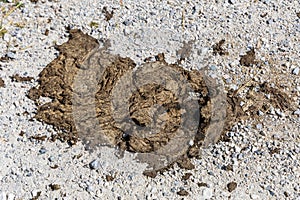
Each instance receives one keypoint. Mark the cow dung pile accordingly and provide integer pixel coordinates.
(158, 110)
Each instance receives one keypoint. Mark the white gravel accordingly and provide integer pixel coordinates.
(139, 30)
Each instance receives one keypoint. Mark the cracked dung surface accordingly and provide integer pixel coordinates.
(55, 82)
(149, 103)
(104, 99)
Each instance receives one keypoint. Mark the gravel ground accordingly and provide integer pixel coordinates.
(261, 160)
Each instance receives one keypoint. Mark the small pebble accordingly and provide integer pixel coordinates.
(7, 37)
(42, 150)
(203, 51)
(51, 158)
(279, 113)
(269, 21)
(173, 189)
(210, 173)
(127, 22)
(207, 193)
(267, 1)
(232, 1)
(240, 156)
(94, 164)
(254, 196)
(260, 113)
(229, 80)
(213, 67)
(296, 71)
(297, 112)
(89, 188)
(271, 193)
(11, 55)
(259, 126)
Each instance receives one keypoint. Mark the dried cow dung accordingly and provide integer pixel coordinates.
(55, 82)
(160, 111)
(104, 99)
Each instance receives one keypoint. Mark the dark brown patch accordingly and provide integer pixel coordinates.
(54, 166)
(109, 177)
(218, 48)
(18, 78)
(151, 174)
(201, 184)
(231, 186)
(248, 59)
(186, 163)
(77, 156)
(225, 138)
(186, 176)
(298, 14)
(34, 1)
(275, 151)
(182, 192)
(286, 194)
(108, 15)
(160, 57)
(22, 133)
(148, 59)
(55, 187)
(33, 94)
(4, 58)
(228, 167)
(2, 84)
(46, 32)
(38, 137)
